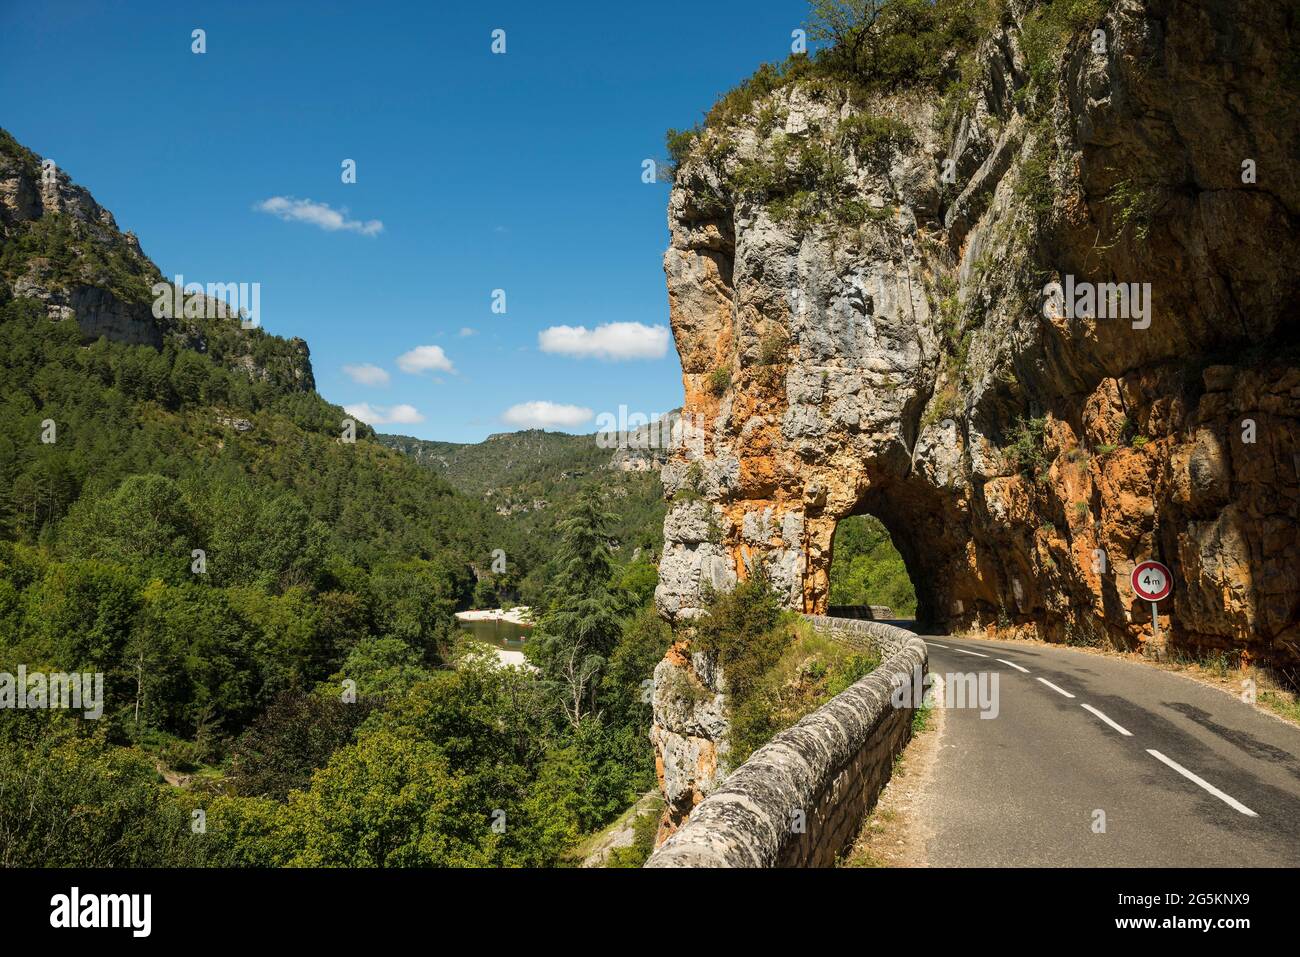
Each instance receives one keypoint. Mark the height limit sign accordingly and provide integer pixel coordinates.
(1152, 582)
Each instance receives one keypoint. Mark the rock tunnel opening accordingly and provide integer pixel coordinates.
(898, 545)
(868, 573)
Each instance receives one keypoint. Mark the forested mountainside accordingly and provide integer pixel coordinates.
(532, 479)
(269, 603)
(507, 459)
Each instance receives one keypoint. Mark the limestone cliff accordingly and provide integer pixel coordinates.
(860, 295)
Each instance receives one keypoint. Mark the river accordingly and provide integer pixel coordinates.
(505, 636)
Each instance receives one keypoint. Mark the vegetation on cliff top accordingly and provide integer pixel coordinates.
(869, 48)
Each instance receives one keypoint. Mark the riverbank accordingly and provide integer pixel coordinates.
(504, 631)
(519, 615)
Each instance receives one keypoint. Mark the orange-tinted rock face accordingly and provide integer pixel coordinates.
(688, 733)
(1025, 450)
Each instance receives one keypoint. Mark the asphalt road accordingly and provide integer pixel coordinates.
(1186, 775)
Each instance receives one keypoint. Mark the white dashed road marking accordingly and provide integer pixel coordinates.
(935, 644)
(1122, 730)
(1055, 688)
(1225, 798)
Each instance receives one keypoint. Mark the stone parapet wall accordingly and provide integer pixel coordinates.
(884, 639)
(800, 799)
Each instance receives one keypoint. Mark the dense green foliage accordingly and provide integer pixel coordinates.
(884, 44)
(777, 667)
(271, 608)
(325, 563)
(865, 46)
(534, 478)
(461, 766)
(202, 569)
(866, 569)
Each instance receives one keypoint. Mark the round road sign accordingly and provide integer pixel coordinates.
(1152, 581)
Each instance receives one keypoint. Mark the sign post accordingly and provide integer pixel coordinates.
(1152, 582)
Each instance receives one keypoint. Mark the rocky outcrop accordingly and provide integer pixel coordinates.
(96, 311)
(905, 355)
(40, 203)
(60, 248)
(689, 732)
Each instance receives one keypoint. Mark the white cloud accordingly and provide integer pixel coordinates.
(384, 415)
(467, 331)
(424, 358)
(545, 415)
(317, 214)
(612, 340)
(367, 374)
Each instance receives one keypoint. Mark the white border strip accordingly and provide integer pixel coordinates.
(1122, 730)
(1227, 799)
(1056, 688)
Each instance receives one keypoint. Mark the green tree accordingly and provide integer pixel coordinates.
(189, 377)
(194, 660)
(291, 739)
(582, 623)
(384, 667)
(144, 524)
(625, 685)
(558, 808)
(638, 580)
(387, 801)
(71, 800)
(415, 600)
(266, 541)
(845, 25)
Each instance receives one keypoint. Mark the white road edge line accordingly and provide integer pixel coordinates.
(1012, 664)
(1122, 730)
(965, 652)
(1225, 798)
(935, 644)
(1055, 688)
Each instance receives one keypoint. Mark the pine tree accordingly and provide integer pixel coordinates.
(583, 621)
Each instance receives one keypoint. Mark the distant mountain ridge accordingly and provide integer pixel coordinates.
(533, 476)
(505, 459)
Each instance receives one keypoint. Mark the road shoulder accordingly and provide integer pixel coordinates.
(897, 832)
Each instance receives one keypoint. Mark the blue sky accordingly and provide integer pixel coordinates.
(519, 172)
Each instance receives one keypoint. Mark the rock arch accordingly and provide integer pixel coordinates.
(894, 354)
(903, 362)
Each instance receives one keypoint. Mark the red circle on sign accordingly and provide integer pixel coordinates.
(1151, 581)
